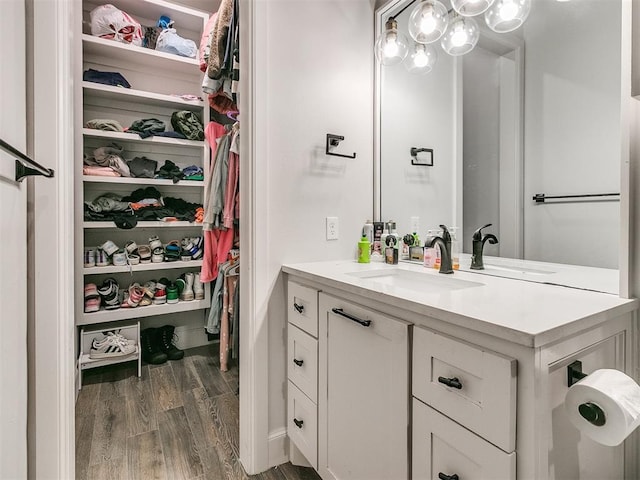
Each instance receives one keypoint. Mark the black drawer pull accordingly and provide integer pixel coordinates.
(339, 311)
(298, 362)
(299, 308)
(442, 476)
(298, 422)
(451, 382)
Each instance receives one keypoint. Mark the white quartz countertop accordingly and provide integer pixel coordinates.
(527, 313)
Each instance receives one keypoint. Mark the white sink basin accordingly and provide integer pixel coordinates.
(410, 280)
(515, 269)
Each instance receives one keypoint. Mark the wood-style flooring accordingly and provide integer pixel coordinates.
(180, 420)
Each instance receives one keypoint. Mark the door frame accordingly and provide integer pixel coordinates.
(50, 100)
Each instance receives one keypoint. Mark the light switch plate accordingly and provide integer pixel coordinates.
(332, 228)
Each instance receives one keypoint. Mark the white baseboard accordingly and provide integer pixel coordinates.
(278, 447)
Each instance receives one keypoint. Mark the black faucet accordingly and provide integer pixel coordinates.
(478, 246)
(445, 249)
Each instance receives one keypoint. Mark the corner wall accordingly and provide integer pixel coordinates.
(314, 73)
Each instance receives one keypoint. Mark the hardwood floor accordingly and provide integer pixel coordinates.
(179, 421)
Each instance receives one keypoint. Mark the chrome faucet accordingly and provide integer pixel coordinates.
(478, 246)
(444, 243)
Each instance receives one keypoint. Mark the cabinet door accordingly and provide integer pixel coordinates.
(443, 449)
(363, 396)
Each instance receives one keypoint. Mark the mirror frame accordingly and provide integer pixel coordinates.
(630, 145)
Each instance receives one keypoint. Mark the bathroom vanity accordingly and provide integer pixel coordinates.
(399, 372)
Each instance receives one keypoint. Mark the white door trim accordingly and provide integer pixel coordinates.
(254, 287)
(52, 422)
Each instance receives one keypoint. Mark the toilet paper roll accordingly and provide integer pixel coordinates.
(605, 406)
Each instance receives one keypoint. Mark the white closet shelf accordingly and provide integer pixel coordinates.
(135, 138)
(141, 312)
(140, 56)
(143, 267)
(140, 97)
(144, 224)
(88, 362)
(184, 17)
(142, 181)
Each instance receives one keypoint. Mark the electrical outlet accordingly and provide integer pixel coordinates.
(415, 224)
(332, 228)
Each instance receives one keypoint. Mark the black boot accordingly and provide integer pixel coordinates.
(164, 339)
(150, 348)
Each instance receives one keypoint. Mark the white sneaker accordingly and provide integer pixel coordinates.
(187, 291)
(198, 287)
(111, 346)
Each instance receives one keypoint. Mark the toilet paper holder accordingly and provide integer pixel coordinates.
(590, 411)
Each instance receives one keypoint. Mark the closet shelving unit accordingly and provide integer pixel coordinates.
(156, 78)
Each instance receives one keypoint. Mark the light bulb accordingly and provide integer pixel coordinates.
(391, 46)
(461, 37)
(508, 11)
(422, 60)
(507, 15)
(470, 8)
(428, 21)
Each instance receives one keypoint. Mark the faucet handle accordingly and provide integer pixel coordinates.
(477, 235)
(446, 236)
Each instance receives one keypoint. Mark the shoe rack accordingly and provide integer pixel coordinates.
(156, 78)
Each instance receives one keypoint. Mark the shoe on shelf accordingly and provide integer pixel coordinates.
(109, 248)
(172, 293)
(158, 255)
(89, 257)
(102, 259)
(198, 287)
(131, 247)
(111, 346)
(165, 336)
(154, 242)
(119, 258)
(136, 292)
(91, 298)
(150, 347)
(109, 291)
(198, 247)
(160, 295)
(145, 253)
(187, 291)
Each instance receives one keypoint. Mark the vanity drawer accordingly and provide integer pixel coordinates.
(302, 308)
(302, 361)
(481, 390)
(442, 446)
(302, 424)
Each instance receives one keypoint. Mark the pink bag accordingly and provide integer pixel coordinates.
(109, 22)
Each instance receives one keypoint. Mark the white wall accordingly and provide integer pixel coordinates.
(314, 75)
(407, 105)
(572, 130)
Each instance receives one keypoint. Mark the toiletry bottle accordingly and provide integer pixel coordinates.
(367, 231)
(407, 243)
(378, 228)
(455, 248)
(364, 249)
(383, 237)
(391, 244)
(432, 254)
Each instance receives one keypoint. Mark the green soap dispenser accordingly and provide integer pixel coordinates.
(364, 250)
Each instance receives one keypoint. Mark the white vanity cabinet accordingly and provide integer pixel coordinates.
(468, 384)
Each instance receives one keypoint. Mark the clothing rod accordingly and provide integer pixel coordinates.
(541, 197)
(24, 165)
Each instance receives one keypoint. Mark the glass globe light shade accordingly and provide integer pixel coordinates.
(461, 37)
(507, 15)
(392, 46)
(428, 21)
(469, 8)
(422, 60)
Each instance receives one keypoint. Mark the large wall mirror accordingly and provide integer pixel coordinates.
(538, 110)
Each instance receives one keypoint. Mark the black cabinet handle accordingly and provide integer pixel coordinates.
(298, 422)
(339, 311)
(298, 362)
(443, 476)
(451, 382)
(299, 308)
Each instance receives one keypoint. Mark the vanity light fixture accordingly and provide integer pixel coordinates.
(461, 37)
(422, 60)
(458, 33)
(392, 46)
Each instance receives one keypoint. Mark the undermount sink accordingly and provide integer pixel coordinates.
(516, 269)
(408, 279)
